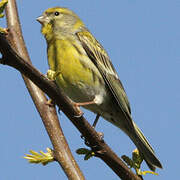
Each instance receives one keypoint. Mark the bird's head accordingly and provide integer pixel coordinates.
(59, 22)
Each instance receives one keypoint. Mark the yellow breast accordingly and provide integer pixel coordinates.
(78, 76)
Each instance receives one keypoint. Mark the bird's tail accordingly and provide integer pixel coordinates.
(145, 148)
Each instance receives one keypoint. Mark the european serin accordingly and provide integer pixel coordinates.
(85, 73)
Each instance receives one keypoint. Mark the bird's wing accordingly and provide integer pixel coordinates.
(99, 57)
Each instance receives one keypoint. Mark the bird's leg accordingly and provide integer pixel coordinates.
(84, 103)
(77, 106)
(97, 100)
(95, 121)
(101, 135)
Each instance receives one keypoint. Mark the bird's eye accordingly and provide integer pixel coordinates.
(56, 13)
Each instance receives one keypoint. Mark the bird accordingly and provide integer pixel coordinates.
(82, 68)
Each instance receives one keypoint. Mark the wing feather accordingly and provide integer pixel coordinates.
(99, 57)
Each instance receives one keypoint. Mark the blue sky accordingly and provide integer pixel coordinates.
(142, 39)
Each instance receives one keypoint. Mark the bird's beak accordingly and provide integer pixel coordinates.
(41, 19)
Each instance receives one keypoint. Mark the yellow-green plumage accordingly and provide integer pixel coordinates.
(85, 73)
(64, 58)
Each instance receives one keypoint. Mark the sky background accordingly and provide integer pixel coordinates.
(142, 39)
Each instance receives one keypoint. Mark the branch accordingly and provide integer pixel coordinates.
(101, 149)
(48, 114)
